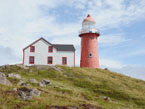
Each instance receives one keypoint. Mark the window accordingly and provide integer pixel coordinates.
(31, 59)
(32, 49)
(90, 54)
(50, 49)
(49, 60)
(64, 60)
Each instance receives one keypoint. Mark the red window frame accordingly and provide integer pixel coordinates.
(50, 48)
(63, 62)
(33, 59)
(31, 48)
(48, 58)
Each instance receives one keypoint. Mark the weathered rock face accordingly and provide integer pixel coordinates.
(13, 75)
(14, 89)
(44, 83)
(3, 80)
(23, 83)
(32, 80)
(35, 92)
(24, 95)
(27, 94)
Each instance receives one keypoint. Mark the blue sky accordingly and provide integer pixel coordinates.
(121, 24)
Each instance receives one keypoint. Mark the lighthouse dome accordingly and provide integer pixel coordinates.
(89, 26)
(88, 19)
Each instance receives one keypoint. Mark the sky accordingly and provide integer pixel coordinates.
(121, 24)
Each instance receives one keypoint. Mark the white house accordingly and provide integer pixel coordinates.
(42, 52)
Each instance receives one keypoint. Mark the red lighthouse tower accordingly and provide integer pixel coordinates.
(89, 43)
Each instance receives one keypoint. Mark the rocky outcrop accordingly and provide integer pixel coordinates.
(13, 75)
(23, 83)
(14, 89)
(27, 93)
(44, 83)
(32, 80)
(3, 80)
(35, 92)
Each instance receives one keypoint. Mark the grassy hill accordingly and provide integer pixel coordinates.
(74, 86)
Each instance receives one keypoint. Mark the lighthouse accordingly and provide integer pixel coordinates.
(89, 43)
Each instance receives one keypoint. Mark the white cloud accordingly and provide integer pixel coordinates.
(135, 71)
(112, 39)
(113, 64)
(137, 52)
(112, 14)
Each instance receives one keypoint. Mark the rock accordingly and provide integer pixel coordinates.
(25, 96)
(35, 92)
(105, 68)
(32, 80)
(44, 83)
(14, 89)
(27, 93)
(3, 80)
(13, 75)
(23, 83)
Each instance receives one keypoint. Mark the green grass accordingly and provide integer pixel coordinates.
(73, 86)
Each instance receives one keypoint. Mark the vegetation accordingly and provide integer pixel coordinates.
(72, 86)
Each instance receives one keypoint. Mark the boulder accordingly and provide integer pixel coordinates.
(35, 92)
(23, 83)
(32, 80)
(27, 93)
(44, 83)
(3, 80)
(13, 75)
(14, 89)
(25, 96)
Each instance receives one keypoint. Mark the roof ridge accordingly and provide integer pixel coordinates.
(57, 46)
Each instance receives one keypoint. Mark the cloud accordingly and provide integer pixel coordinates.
(113, 14)
(113, 64)
(135, 71)
(7, 55)
(112, 39)
(134, 53)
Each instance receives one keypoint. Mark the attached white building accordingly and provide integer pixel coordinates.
(42, 52)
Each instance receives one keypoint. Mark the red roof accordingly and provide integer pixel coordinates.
(89, 18)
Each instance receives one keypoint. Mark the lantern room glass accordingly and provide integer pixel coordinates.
(87, 26)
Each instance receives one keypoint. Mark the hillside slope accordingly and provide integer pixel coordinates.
(74, 86)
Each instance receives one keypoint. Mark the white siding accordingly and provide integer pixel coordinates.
(41, 54)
